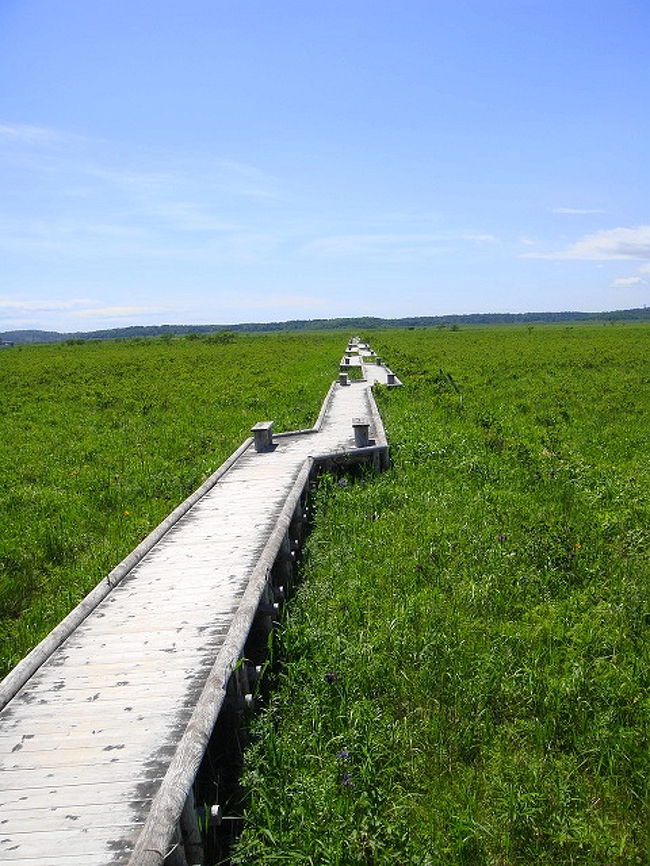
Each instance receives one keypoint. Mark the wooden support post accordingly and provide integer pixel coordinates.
(176, 854)
(360, 427)
(390, 377)
(344, 379)
(263, 433)
(192, 841)
(297, 521)
(283, 565)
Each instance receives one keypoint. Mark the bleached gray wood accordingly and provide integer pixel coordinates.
(108, 720)
(361, 427)
(263, 435)
(26, 667)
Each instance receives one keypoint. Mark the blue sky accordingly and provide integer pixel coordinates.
(220, 161)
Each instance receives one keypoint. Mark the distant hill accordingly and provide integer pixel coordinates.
(362, 323)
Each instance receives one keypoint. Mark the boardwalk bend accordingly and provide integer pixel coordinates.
(105, 723)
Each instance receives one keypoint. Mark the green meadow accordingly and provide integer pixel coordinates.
(99, 441)
(465, 668)
(463, 672)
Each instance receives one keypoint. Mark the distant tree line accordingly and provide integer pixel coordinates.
(361, 323)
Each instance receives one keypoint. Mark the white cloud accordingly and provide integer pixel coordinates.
(610, 244)
(576, 210)
(189, 216)
(117, 312)
(529, 242)
(386, 247)
(644, 269)
(271, 301)
(625, 282)
(391, 246)
(244, 180)
(42, 306)
(21, 132)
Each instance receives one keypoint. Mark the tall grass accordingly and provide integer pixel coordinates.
(467, 663)
(100, 441)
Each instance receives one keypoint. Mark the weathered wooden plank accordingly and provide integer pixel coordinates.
(88, 793)
(81, 682)
(100, 741)
(97, 844)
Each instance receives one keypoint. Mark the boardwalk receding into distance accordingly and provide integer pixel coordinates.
(99, 746)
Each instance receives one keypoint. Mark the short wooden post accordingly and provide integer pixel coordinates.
(263, 433)
(344, 379)
(378, 361)
(347, 360)
(390, 377)
(360, 427)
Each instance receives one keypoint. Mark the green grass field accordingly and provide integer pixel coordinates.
(464, 672)
(100, 441)
(466, 665)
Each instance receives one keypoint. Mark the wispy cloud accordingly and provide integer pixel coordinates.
(393, 247)
(263, 302)
(43, 306)
(577, 210)
(18, 312)
(625, 282)
(481, 239)
(190, 217)
(124, 312)
(73, 237)
(382, 246)
(610, 244)
(244, 180)
(36, 313)
(26, 134)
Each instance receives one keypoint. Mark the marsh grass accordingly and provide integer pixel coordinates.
(100, 441)
(467, 662)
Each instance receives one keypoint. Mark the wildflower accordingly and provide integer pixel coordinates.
(126, 512)
(346, 780)
(502, 537)
(343, 482)
(343, 754)
(330, 678)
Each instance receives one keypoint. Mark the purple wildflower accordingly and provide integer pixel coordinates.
(330, 678)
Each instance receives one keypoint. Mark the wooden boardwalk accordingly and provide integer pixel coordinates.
(99, 747)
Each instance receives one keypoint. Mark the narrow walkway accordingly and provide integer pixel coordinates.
(86, 743)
